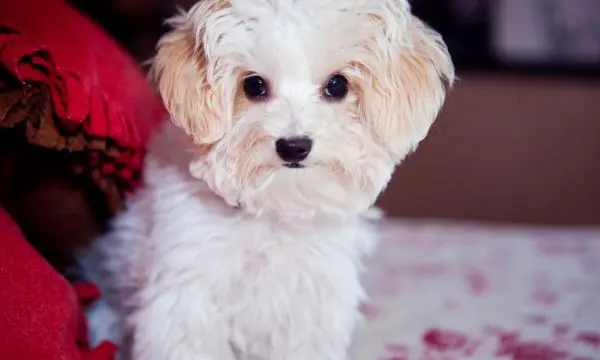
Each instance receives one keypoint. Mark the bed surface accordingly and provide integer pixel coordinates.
(445, 291)
(452, 291)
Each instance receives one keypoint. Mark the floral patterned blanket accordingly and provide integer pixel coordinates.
(450, 291)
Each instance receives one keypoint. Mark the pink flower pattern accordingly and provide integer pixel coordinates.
(448, 291)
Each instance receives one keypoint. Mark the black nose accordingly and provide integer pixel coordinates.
(293, 149)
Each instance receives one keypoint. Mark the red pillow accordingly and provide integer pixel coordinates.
(70, 87)
(41, 317)
(102, 102)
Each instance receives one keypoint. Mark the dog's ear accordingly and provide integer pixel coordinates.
(408, 85)
(197, 101)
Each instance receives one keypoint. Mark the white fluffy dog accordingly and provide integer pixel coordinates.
(287, 120)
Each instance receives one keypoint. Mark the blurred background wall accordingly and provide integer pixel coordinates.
(519, 137)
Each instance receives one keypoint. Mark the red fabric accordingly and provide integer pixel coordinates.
(96, 87)
(41, 316)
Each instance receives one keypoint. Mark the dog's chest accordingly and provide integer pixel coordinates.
(263, 263)
(274, 284)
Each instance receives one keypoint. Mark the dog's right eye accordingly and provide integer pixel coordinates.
(256, 88)
(336, 88)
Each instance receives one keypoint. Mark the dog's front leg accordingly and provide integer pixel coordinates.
(317, 349)
(179, 325)
(327, 341)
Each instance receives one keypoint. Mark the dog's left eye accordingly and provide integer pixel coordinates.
(336, 87)
(256, 88)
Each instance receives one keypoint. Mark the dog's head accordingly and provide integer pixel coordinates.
(300, 107)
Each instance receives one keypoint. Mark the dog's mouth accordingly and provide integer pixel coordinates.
(293, 165)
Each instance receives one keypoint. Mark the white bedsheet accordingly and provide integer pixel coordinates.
(454, 291)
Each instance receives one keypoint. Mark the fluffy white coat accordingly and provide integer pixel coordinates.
(227, 253)
(198, 279)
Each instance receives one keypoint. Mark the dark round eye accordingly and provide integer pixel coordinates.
(336, 88)
(256, 88)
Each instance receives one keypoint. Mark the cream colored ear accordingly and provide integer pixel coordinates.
(429, 65)
(179, 70)
(411, 88)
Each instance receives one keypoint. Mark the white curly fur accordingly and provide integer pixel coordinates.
(227, 254)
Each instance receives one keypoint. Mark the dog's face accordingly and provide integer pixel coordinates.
(301, 106)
